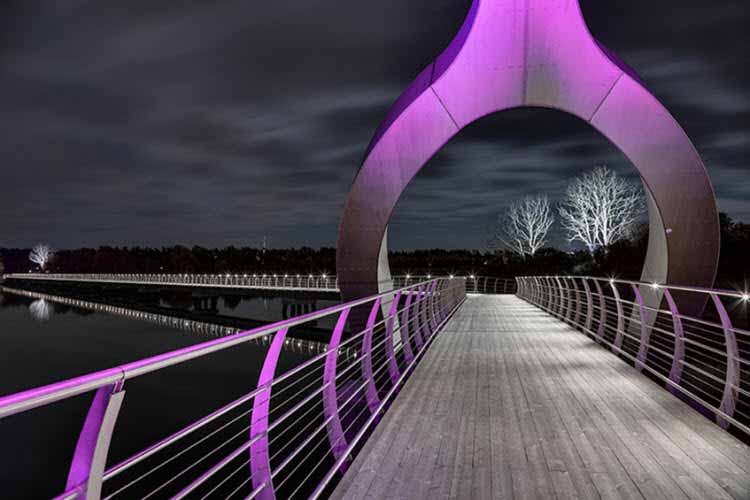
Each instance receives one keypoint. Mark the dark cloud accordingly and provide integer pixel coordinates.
(222, 122)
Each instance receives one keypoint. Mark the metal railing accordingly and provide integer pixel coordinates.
(703, 360)
(301, 282)
(262, 281)
(289, 437)
(474, 284)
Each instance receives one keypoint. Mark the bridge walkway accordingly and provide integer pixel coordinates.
(510, 403)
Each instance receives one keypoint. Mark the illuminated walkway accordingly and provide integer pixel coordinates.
(512, 403)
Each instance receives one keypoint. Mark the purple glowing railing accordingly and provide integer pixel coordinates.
(329, 403)
(703, 360)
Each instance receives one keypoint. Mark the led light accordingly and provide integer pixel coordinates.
(612, 280)
(451, 276)
(746, 297)
(408, 276)
(323, 275)
(655, 286)
(429, 276)
(472, 277)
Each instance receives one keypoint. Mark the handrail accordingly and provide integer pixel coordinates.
(389, 345)
(298, 282)
(697, 358)
(32, 398)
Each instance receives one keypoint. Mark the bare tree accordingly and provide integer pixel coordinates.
(41, 255)
(600, 208)
(524, 226)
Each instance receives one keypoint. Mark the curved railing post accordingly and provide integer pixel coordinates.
(90, 456)
(389, 351)
(260, 465)
(645, 332)
(416, 317)
(732, 382)
(334, 429)
(589, 305)
(550, 294)
(602, 311)
(539, 294)
(562, 304)
(405, 327)
(425, 330)
(431, 307)
(569, 298)
(678, 355)
(577, 299)
(371, 392)
(617, 345)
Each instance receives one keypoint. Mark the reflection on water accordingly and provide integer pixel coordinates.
(40, 310)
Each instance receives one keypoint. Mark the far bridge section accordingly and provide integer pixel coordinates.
(322, 283)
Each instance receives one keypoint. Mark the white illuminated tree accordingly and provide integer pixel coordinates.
(524, 226)
(600, 208)
(40, 310)
(41, 255)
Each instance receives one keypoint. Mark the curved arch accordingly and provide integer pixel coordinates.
(533, 53)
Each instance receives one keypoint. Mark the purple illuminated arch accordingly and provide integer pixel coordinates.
(536, 53)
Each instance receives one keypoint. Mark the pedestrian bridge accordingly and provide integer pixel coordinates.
(576, 387)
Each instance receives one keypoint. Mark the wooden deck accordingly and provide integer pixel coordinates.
(512, 403)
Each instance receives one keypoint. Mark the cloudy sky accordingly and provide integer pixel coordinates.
(221, 122)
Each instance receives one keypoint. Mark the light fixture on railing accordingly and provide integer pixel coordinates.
(472, 277)
(655, 286)
(408, 276)
(451, 276)
(612, 280)
(746, 297)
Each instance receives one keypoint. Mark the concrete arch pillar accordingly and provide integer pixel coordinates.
(533, 53)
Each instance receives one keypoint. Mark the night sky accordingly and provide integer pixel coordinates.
(218, 123)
